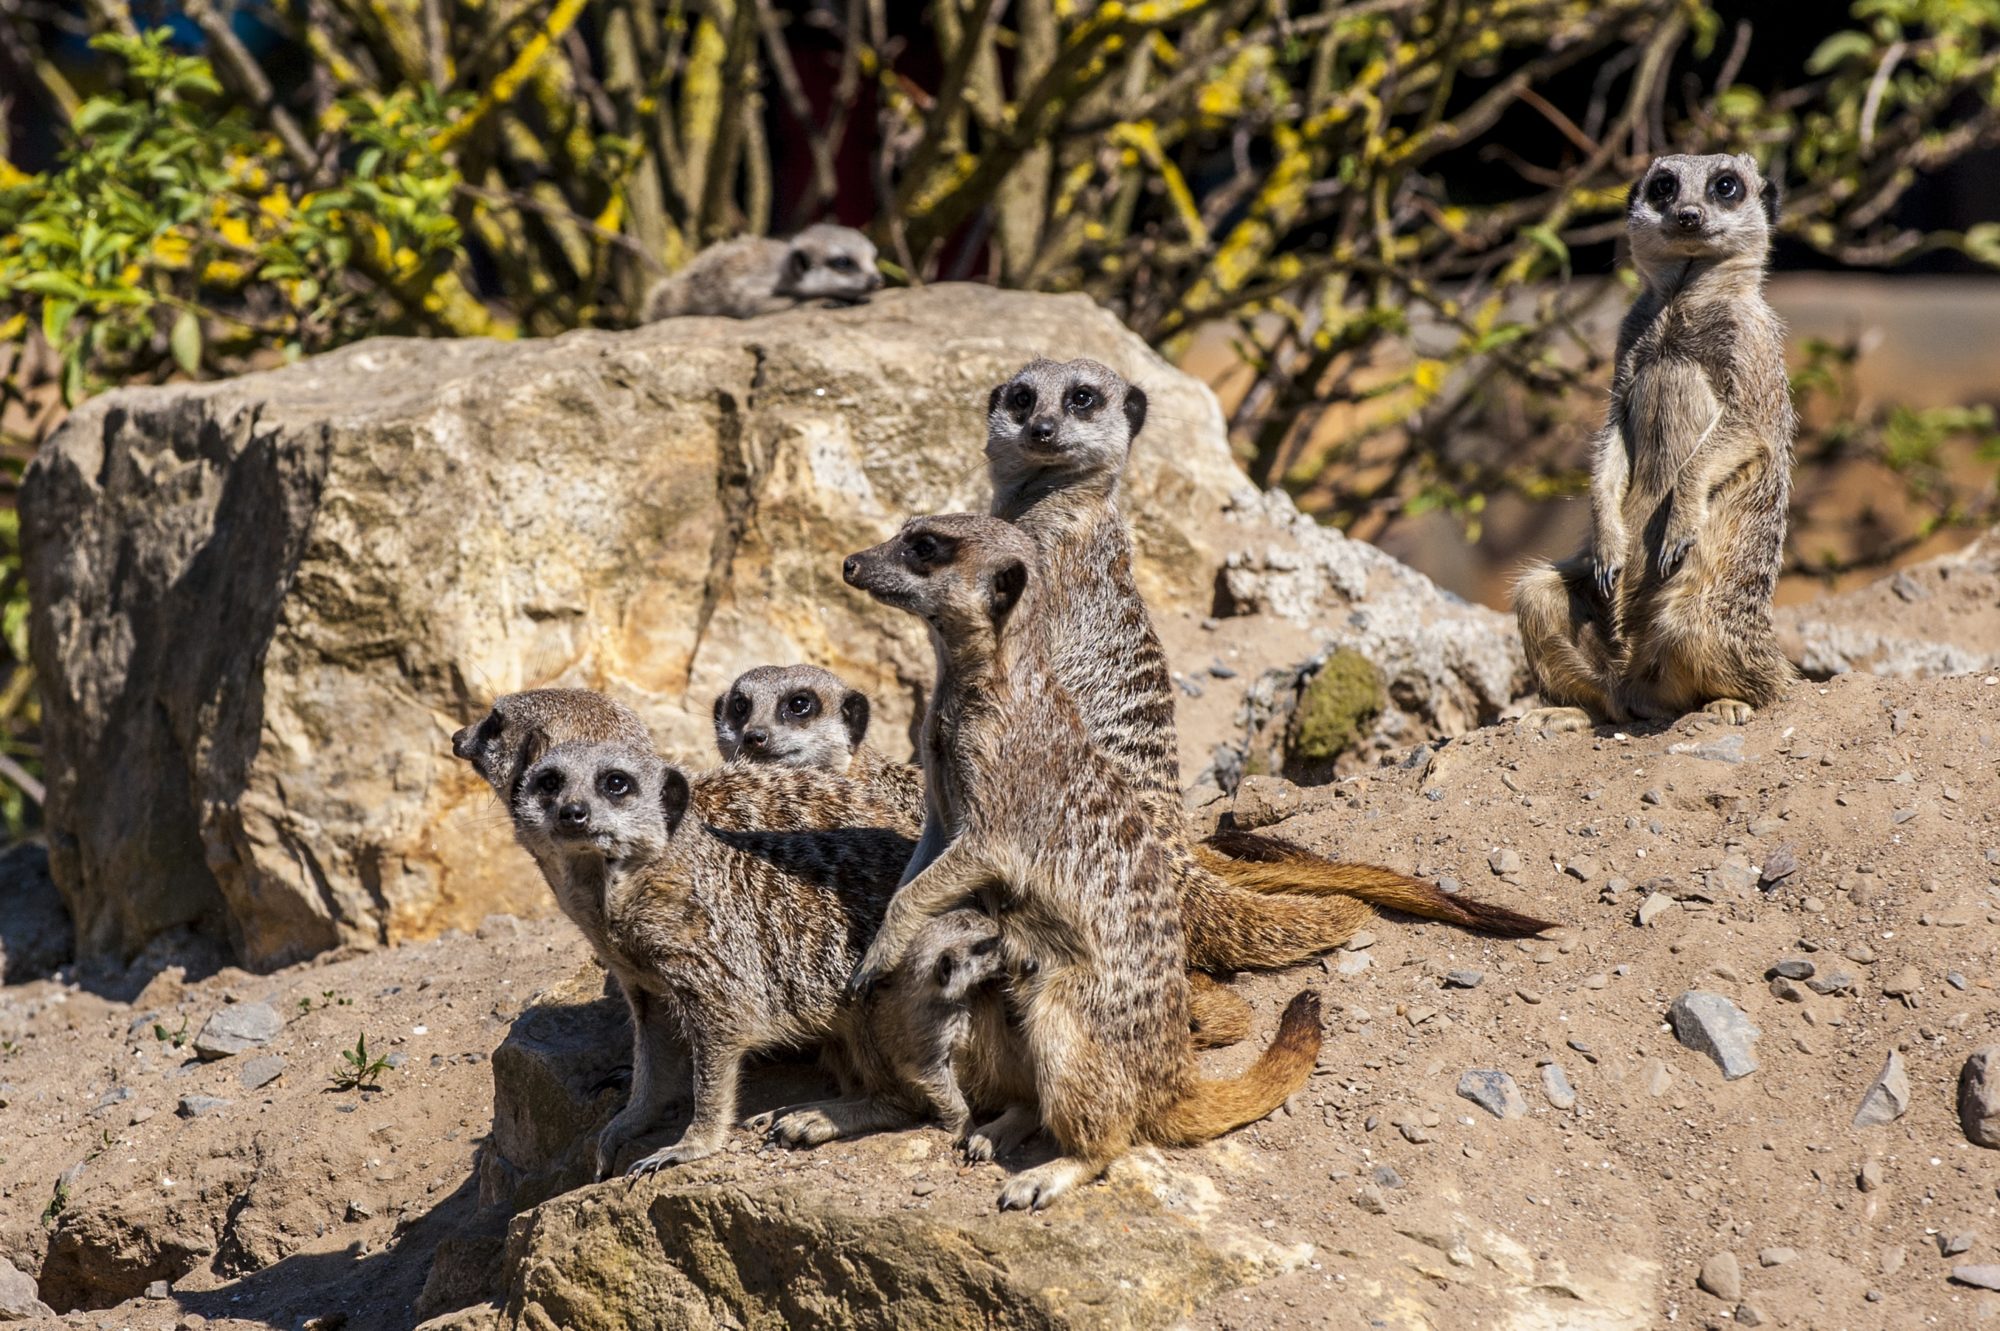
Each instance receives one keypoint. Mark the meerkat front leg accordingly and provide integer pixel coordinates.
(990, 1141)
(659, 1074)
(1725, 453)
(1610, 473)
(953, 876)
(718, 1062)
(1734, 711)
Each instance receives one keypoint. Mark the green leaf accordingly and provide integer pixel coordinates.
(1838, 50)
(185, 341)
(1549, 241)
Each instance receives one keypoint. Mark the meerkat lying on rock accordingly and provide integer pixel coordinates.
(1048, 830)
(1669, 608)
(753, 275)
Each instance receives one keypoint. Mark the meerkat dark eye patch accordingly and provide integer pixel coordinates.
(1082, 398)
(1662, 187)
(1020, 398)
(929, 551)
(802, 705)
(617, 785)
(1727, 188)
(840, 263)
(739, 706)
(549, 782)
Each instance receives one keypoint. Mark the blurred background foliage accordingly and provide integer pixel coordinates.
(1375, 208)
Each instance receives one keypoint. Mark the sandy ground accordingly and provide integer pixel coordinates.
(298, 1204)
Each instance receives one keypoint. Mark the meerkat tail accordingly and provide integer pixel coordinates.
(1268, 864)
(1217, 1014)
(1211, 1108)
(1232, 929)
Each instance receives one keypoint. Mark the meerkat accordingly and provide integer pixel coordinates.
(753, 275)
(1050, 832)
(734, 942)
(807, 716)
(1668, 609)
(1058, 437)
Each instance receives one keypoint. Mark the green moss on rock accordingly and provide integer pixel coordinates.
(1335, 708)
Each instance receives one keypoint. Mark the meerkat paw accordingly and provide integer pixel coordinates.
(989, 1141)
(1034, 1189)
(680, 1153)
(615, 1135)
(1731, 710)
(1604, 571)
(1549, 722)
(801, 1128)
(1673, 552)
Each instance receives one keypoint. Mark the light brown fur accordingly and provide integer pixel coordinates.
(1668, 609)
(1056, 840)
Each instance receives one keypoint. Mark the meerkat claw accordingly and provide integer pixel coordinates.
(1673, 554)
(1607, 579)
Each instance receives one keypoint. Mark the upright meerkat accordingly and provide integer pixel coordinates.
(1669, 607)
(1048, 829)
(753, 275)
(734, 942)
(1058, 437)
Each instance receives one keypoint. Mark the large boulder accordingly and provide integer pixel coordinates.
(1939, 617)
(262, 605)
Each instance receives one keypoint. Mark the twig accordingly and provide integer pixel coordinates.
(1872, 104)
(23, 779)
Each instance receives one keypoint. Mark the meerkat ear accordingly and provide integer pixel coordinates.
(854, 714)
(721, 700)
(993, 398)
(1005, 589)
(946, 963)
(533, 746)
(796, 263)
(1632, 195)
(674, 797)
(1772, 197)
(1135, 409)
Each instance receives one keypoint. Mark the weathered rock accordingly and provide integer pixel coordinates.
(237, 1027)
(1711, 1024)
(1985, 1276)
(1873, 628)
(1722, 1277)
(1556, 1087)
(1493, 1091)
(554, 1087)
(1979, 1097)
(194, 1106)
(706, 1254)
(19, 1299)
(35, 933)
(260, 1072)
(1888, 1097)
(262, 605)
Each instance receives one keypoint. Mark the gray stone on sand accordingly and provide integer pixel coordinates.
(1555, 1085)
(1493, 1091)
(1979, 1097)
(237, 1027)
(1711, 1024)
(1886, 1100)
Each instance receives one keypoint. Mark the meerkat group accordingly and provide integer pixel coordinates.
(1016, 932)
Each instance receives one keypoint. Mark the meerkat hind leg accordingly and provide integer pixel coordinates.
(822, 1121)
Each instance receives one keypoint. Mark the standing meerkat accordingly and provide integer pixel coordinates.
(1669, 607)
(1050, 831)
(753, 275)
(1058, 437)
(732, 942)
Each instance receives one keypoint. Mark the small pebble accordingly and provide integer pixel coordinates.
(1464, 979)
(1721, 1277)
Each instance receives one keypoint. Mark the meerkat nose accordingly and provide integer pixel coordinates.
(1688, 219)
(574, 814)
(461, 742)
(850, 569)
(1043, 428)
(755, 739)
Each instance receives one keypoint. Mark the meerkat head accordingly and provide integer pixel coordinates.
(610, 799)
(1716, 206)
(966, 953)
(828, 262)
(794, 716)
(962, 573)
(523, 726)
(1068, 416)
